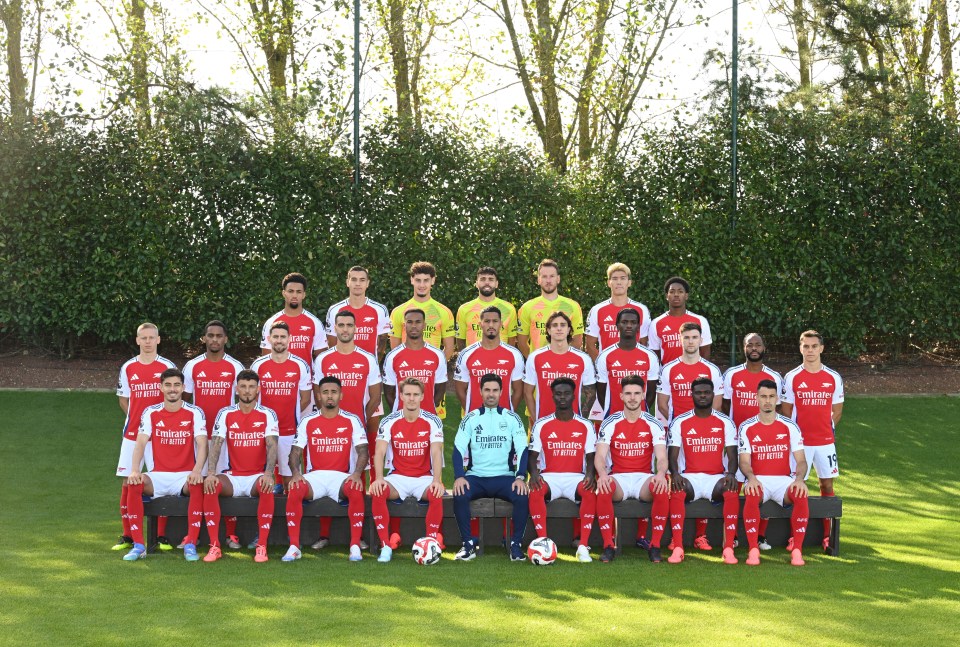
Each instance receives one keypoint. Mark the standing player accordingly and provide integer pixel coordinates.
(631, 463)
(306, 334)
(137, 389)
(558, 359)
(773, 462)
(703, 465)
(335, 443)
(665, 329)
(415, 358)
(626, 357)
(410, 444)
(813, 397)
(469, 328)
(561, 464)
(177, 432)
(373, 319)
(602, 331)
(440, 327)
(534, 314)
(245, 434)
(489, 355)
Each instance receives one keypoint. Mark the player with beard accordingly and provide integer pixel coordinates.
(489, 355)
(469, 329)
(558, 359)
(307, 335)
(534, 314)
(415, 358)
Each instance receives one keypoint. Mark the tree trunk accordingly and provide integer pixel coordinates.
(11, 14)
(804, 54)
(545, 48)
(585, 99)
(139, 56)
(401, 63)
(946, 58)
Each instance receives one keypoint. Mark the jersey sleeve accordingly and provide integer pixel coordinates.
(729, 433)
(358, 434)
(602, 375)
(593, 322)
(273, 425)
(509, 318)
(658, 433)
(518, 365)
(786, 393)
(373, 374)
(300, 438)
(461, 321)
(589, 374)
(448, 326)
(462, 440)
(591, 445)
(319, 334)
(838, 391)
(441, 375)
(199, 422)
(530, 372)
(673, 434)
(383, 433)
(330, 318)
(728, 384)
(436, 429)
(523, 320)
(220, 424)
(706, 339)
(396, 322)
(717, 379)
(536, 443)
(265, 334)
(577, 319)
(383, 319)
(188, 384)
(653, 339)
(145, 426)
(460, 372)
(796, 438)
(644, 331)
(389, 374)
(123, 383)
(305, 380)
(606, 430)
(744, 444)
(663, 386)
(655, 368)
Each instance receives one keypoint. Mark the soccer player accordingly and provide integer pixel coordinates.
(335, 443)
(137, 389)
(602, 330)
(534, 314)
(626, 357)
(469, 326)
(631, 463)
(373, 319)
(813, 397)
(415, 358)
(284, 389)
(307, 336)
(487, 440)
(558, 359)
(177, 432)
(410, 443)
(440, 327)
(561, 464)
(245, 435)
(703, 465)
(665, 329)
(773, 462)
(489, 355)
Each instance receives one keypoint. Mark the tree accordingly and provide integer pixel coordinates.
(20, 91)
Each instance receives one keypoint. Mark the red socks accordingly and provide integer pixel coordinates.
(763, 526)
(434, 515)
(354, 511)
(827, 523)
(123, 509)
(394, 525)
(731, 513)
(265, 507)
(133, 520)
(381, 517)
(659, 513)
(643, 525)
(678, 516)
(162, 526)
(588, 512)
(798, 520)
(701, 527)
(295, 513)
(211, 514)
(538, 509)
(194, 513)
(751, 519)
(605, 518)
(325, 526)
(231, 525)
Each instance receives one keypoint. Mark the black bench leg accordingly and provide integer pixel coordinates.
(835, 538)
(151, 533)
(616, 535)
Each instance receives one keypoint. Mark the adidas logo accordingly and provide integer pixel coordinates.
(359, 524)
(201, 374)
(399, 434)
(476, 363)
(667, 328)
(290, 524)
(265, 526)
(741, 385)
(659, 526)
(134, 377)
(678, 376)
(617, 363)
(266, 375)
(732, 526)
(587, 526)
(802, 385)
(379, 526)
(621, 435)
(609, 318)
(210, 523)
(235, 426)
(757, 439)
(552, 435)
(160, 424)
(134, 527)
(751, 531)
(605, 526)
(332, 367)
(547, 365)
(676, 526)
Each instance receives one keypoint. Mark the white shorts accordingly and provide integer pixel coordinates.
(168, 483)
(631, 483)
(703, 484)
(406, 486)
(243, 485)
(775, 487)
(126, 457)
(824, 459)
(563, 485)
(325, 483)
(284, 444)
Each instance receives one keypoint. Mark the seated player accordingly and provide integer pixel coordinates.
(247, 434)
(561, 464)
(487, 441)
(630, 445)
(177, 432)
(703, 465)
(774, 464)
(410, 442)
(335, 443)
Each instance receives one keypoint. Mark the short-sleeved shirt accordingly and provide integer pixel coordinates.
(408, 443)
(631, 443)
(372, 320)
(702, 442)
(307, 334)
(213, 384)
(676, 378)
(615, 363)
(475, 361)
(357, 372)
(740, 388)
(771, 446)
(665, 334)
(563, 445)
(468, 319)
(172, 436)
(438, 324)
(602, 321)
(813, 396)
(545, 365)
(280, 387)
(427, 364)
(140, 384)
(330, 443)
(245, 438)
(533, 315)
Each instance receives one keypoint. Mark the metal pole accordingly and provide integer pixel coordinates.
(733, 167)
(356, 93)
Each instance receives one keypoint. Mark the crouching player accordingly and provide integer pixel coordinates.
(177, 432)
(703, 465)
(247, 433)
(410, 442)
(561, 464)
(631, 443)
(336, 446)
(774, 464)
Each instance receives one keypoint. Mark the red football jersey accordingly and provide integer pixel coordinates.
(602, 322)
(771, 446)
(702, 442)
(615, 363)
(563, 444)
(544, 366)
(140, 383)
(665, 334)
(475, 361)
(740, 388)
(631, 443)
(408, 443)
(245, 438)
(676, 378)
(427, 364)
(307, 334)
(813, 396)
(213, 384)
(357, 372)
(172, 436)
(372, 320)
(280, 386)
(331, 443)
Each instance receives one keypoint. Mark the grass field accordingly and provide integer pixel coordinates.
(898, 580)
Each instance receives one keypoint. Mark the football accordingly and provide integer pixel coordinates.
(542, 551)
(426, 551)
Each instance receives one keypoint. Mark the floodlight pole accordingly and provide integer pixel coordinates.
(733, 166)
(356, 94)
